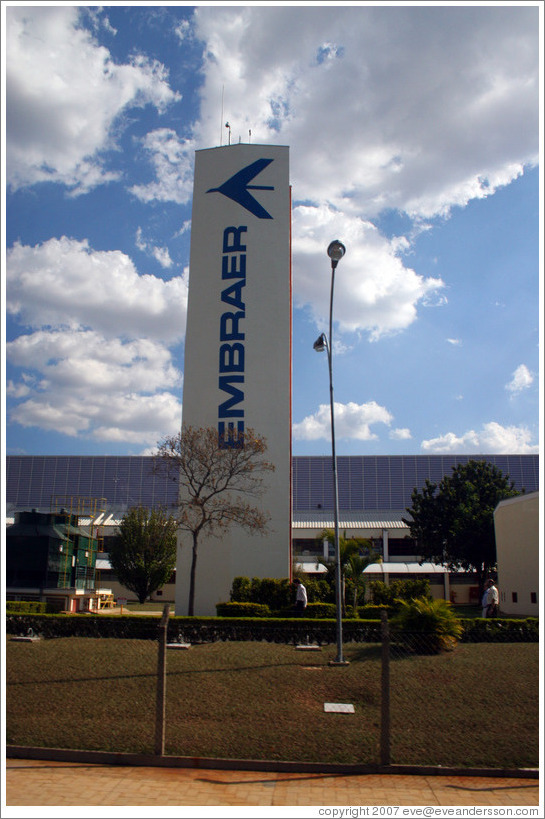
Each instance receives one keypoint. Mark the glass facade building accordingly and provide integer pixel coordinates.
(366, 483)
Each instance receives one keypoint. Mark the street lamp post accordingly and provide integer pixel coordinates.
(335, 251)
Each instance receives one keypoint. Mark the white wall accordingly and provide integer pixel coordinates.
(516, 522)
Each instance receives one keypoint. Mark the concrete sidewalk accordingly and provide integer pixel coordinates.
(39, 782)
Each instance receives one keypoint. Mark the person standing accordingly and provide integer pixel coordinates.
(301, 597)
(490, 599)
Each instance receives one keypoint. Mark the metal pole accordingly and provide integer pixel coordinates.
(339, 660)
(385, 693)
(160, 706)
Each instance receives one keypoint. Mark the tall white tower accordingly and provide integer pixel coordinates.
(237, 369)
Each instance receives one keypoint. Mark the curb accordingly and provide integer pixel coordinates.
(153, 761)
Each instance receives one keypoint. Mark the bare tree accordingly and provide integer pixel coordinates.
(217, 476)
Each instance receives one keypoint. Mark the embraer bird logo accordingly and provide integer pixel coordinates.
(237, 187)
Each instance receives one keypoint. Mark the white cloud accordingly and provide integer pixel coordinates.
(172, 159)
(65, 283)
(443, 105)
(183, 30)
(20, 390)
(160, 254)
(374, 291)
(64, 97)
(521, 380)
(351, 421)
(80, 382)
(85, 360)
(492, 439)
(402, 434)
(98, 362)
(127, 418)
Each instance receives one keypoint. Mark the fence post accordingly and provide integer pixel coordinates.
(160, 706)
(385, 691)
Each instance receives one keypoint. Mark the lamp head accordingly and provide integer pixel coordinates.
(336, 251)
(321, 343)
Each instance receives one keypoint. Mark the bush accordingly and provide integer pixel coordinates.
(498, 630)
(278, 593)
(372, 612)
(242, 610)
(273, 592)
(426, 626)
(382, 594)
(26, 607)
(241, 590)
(316, 611)
(319, 591)
(269, 591)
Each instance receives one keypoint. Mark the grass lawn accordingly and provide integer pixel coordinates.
(149, 605)
(475, 706)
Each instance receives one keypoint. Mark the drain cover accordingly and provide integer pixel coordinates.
(338, 708)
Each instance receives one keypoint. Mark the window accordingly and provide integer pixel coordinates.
(514, 597)
(397, 547)
(303, 546)
(533, 597)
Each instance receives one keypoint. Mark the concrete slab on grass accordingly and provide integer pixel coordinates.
(338, 708)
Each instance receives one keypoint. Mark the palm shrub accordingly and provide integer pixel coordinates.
(426, 626)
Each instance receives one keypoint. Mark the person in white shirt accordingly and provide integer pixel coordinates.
(301, 597)
(490, 599)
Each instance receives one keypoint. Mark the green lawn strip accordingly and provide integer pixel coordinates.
(478, 705)
(150, 605)
(475, 706)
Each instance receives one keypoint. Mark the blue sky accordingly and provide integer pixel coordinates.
(414, 138)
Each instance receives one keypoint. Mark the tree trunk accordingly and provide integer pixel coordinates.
(191, 606)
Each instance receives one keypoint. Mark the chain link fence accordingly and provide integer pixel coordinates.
(475, 705)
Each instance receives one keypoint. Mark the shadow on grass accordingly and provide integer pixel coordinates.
(153, 674)
(369, 652)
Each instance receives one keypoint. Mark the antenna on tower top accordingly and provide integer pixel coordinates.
(228, 126)
(221, 120)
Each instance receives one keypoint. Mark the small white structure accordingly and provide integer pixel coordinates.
(516, 522)
(383, 571)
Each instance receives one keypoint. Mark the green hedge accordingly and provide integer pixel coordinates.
(242, 610)
(26, 607)
(83, 625)
(194, 629)
(372, 612)
(500, 630)
(279, 630)
(316, 611)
